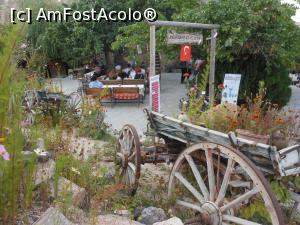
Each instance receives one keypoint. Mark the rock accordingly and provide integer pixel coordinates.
(122, 212)
(172, 221)
(76, 215)
(53, 216)
(66, 187)
(152, 215)
(137, 212)
(115, 220)
(44, 172)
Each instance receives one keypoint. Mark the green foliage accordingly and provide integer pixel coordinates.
(80, 173)
(11, 89)
(257, 212)
(256, 38)
(281, 192)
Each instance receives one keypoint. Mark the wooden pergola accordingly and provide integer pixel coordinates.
(213, 38)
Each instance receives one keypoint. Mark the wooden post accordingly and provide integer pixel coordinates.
(212, 66)
(152, 50)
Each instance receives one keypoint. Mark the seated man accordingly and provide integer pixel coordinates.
(95, 83)
(139, 74)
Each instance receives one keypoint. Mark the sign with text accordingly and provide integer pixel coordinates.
(155, 93)
(231, 88)
(176, 38)
(185, 53)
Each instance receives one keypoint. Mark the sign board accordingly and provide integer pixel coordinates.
(155, 93)
(185, 53)
(176, 38)
(231, 88)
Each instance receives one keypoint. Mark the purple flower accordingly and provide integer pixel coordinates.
(23, 46)
(4, 153)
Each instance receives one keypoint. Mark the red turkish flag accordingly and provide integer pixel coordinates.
(185, 53)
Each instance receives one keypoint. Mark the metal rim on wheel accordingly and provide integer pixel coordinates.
(128, 157)
(210, 196)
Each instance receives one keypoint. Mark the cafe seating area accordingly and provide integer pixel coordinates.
(118, 91)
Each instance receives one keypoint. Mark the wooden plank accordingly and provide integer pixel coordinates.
(166, 122)
(184, 24)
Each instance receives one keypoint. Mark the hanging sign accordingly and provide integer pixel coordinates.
(185, 53)
(176, 38)
(231, 88)
(155, 93)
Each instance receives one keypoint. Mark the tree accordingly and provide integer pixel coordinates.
(77, 42)
(256, 38)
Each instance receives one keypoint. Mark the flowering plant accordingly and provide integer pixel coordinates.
(4, 153)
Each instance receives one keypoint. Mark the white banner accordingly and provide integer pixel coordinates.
(231, 88)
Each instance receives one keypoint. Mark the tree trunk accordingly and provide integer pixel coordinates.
(109, 56)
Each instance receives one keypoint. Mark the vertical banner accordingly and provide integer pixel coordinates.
(231, 88)
(185, 53)
(155, 93)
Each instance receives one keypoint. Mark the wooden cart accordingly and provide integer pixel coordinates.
(39, 98)
(215, 176)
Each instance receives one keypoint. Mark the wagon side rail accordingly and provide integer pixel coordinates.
(266, 157)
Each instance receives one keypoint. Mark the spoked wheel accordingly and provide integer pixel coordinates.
(128, 159)
(30, 100)
(74, 103)
(217, 185)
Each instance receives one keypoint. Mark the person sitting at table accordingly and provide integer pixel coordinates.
(112, 75)
(97, 71)
(132, 74)
(95, 83)
(139, 74)
(118, 71)
(123, 75)
(127, 69)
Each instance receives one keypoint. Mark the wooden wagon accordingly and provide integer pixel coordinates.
(215, 176)
(40, 98)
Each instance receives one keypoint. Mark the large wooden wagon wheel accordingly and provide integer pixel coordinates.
(30, 101)
(214, 184)
(128, 158)
(75, 103)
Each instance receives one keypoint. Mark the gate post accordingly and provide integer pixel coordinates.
(212, 66)
(152, 50)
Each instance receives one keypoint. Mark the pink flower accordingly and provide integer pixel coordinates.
(4, 153)
(23, 46)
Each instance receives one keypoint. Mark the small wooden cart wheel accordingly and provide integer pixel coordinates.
(30, 101)
(74, 103)
(128, 158)
(218, 190)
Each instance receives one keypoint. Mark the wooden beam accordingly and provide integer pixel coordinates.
(184, 24)
(152, 51)
(212, 66)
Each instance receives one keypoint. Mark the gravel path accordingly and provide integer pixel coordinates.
(295, 99)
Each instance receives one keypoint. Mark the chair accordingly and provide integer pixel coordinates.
(126, 93)
(134, 82)
(103, 93)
